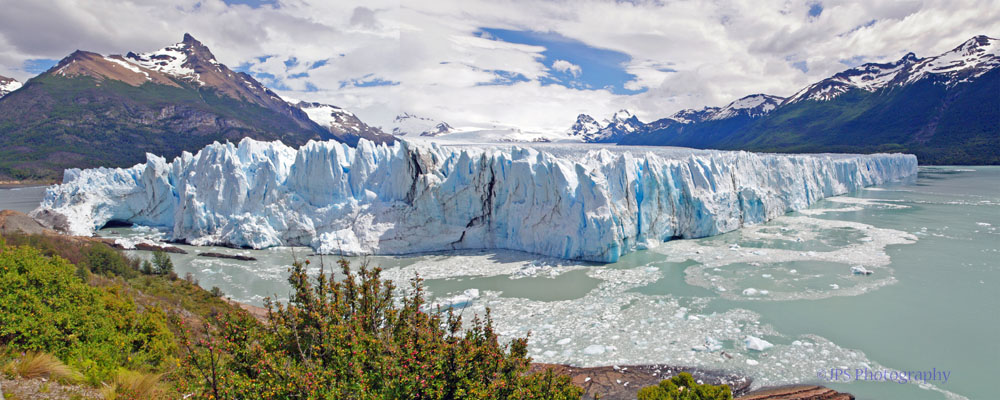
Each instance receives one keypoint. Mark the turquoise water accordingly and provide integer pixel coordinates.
(933, 247)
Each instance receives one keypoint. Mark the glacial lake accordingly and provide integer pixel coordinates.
(930, 303)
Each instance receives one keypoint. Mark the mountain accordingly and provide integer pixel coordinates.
(344, 125)
(409, 124)
(945, 109)
(92, 110)
(8, 85)
(585, 127)
(623, 123)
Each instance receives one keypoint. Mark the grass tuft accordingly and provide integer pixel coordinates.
(134, 385)
(41, 365)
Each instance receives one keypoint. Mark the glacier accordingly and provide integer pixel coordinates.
(583, 202)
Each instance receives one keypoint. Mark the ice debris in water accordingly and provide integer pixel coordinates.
(756, 343)
(567, 202)
(860, 270)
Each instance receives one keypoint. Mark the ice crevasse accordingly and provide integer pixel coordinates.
(403, 198)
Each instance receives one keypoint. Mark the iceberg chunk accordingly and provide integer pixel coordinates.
(756, 343)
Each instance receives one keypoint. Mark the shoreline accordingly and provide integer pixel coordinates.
(608, 382)
(23, 184)
(623, 382)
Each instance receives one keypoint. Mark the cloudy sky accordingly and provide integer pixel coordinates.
(531, 64)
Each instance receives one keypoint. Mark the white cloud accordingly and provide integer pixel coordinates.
(567, 67)
(686, 54)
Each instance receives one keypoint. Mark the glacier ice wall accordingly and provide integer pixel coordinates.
(394, 199)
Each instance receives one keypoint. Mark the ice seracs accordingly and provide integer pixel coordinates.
(562, 201)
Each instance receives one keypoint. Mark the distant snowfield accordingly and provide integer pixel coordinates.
(571, 201)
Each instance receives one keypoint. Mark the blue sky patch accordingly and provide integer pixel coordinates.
(368, 80)
(252, 3)
(815, 10)
(504, 78)
(853, 61)
(801, 66)
(38, 65)
(598, 68)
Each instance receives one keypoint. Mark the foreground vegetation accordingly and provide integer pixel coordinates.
(77, 312)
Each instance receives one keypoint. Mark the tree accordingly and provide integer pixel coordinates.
(684, 387)
(353, 339)
(162, 262)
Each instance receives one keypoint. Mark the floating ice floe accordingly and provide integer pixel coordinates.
(756, 343)
(710, 344)
(860, 270)
(718, 268)
(462, 300)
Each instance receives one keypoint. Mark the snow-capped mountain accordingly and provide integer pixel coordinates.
(585, 127)
(943, 108)
(178, 98)
(753, 106)
(968, 61)
(409, 124)
(343, 124)
(622, 123)
(691, 115)
(8, 85)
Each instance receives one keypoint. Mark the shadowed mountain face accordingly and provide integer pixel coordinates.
(945, 109)
(92, 110)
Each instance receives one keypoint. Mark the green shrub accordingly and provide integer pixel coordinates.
(352, 339)
(44, 306)
(162, 263)
(684, 387)
(104, 260)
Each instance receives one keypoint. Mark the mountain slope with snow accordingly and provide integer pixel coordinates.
(558, 200)
(8, 85)
(344, 125)
(622, 123)
(945, 109)
(407, 124)
(964, 63)
(179, 98)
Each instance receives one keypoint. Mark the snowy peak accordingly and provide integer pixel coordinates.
(968, 61)
(8, 85)
(341, 123)
(181, 60)
(691, 115)
(89, 64)
(409, 124)
(621, 124)
(623, 116)
(585, 127)
(753, 106)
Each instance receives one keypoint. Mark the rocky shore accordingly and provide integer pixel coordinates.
(623, 382)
